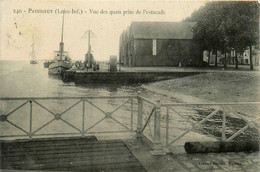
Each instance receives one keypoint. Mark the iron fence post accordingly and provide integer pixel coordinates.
(139, 117)
(132, 113)
(30, 132)
(167, 126)
(223, 137)
(83, 118)
(157, 144)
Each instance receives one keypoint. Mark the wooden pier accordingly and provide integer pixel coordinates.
(68, 154)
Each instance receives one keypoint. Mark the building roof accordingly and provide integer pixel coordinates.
(162, 30)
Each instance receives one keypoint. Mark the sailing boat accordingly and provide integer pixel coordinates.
(33, 60)
(61, 60)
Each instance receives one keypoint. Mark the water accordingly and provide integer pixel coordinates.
(21, 79)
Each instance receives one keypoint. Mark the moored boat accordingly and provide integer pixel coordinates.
(58, 66)
(61, 60)
(33, 62)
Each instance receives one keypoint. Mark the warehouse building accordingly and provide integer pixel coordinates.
(159, 44)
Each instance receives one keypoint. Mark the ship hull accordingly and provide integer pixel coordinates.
(58, 67)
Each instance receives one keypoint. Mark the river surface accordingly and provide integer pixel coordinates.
(21, 79)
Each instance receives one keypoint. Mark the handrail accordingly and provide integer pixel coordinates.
(220, 109)
(196, 125)
(80, 128)
(196, 104)
(84, 97)
(149, 101)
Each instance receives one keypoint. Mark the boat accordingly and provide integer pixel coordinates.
(60, 64)
(33, 60)
(61, 61)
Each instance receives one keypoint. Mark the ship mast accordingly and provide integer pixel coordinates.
(89, 35)
(89, 57)
(61, 43)
(89, 47)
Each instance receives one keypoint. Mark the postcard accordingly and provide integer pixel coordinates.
(129, 85)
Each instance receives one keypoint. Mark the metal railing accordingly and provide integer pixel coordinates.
(152, 118)
(222, 110)
(81, 129)
(160, 112)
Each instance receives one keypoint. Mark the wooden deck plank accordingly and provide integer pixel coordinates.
(126, 167)
(51, 163)
(60, 154)
(62, 151)
(109, 160)
(53, 142)
(76, 160)
(48, 140)
(60, 147)
(67, 156)
(77, 154)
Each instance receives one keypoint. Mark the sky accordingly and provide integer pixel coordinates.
(19, 23)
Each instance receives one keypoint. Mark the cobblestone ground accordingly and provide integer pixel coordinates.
(216, 162)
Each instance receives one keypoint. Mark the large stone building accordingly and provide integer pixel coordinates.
(159, 44)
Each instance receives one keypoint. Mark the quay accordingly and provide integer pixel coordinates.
(140, 135)
(130, 75)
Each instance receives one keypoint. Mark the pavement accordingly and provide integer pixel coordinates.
(216, 162)
(220, 68)
(182, 162)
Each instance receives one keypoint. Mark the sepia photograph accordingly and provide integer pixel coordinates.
(129, 86)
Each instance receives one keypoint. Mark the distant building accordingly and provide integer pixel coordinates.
(246, 57)
(159, 44)
(242, 59)
(255, 56)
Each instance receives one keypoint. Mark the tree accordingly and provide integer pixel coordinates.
(241, 26)
(226, 25)
(207, 29)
